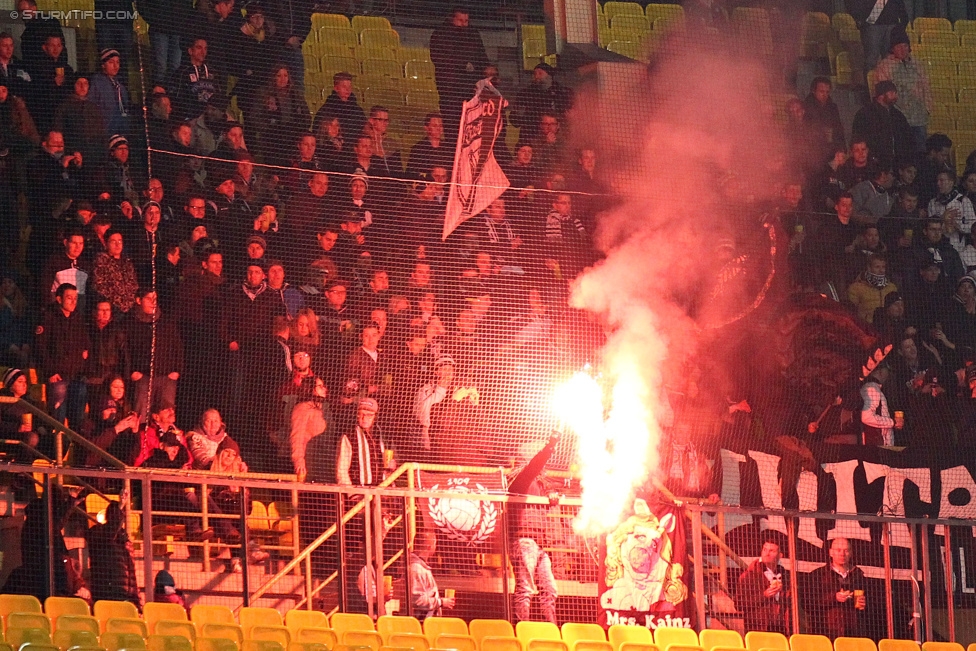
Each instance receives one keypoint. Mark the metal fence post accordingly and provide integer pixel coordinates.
(341, 568)
(378, 531)
(696, 532)
(794, 583)
(52, 525)
(916, 594)
(407, 545)
(147, 548)
(927, 577)
(245, 547)
(503, 507)
(950, 596)
(889, 602)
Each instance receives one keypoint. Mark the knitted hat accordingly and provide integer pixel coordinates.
(228, 444)
(883, 87)
(359, 175)
(369, 404)
(442, 360)
(892, 298)
(164, 579)
(898, 37)
(169, 440)
(107, 54)
(117, 141)
(545, 67)
(257, 239)
(11, 376)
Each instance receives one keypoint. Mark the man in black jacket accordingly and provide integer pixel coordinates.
(837, 597)
(527, 528)
(876, 19)
(459, 59)
(884, 127)
(195, 82)
(342, 104)
(62, 348)
(821, 111)
(165, 365)
(764, 592)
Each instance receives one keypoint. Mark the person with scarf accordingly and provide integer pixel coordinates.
(868, 292)
(195, 82)
(110, 95)
(951, 203)
(281, 115)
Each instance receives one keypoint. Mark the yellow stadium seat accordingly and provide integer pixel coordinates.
(532, 49)
(226, 631)
(262, 645)
(963, 26)
(154, 611)
(482, 628)
(526, 631)
(897, 645)
(308, 646)
(611, 9)
(419, 69)
(386, 625)
(15, 603)
(923, 24)
(104, 610)
(756, 640)
(359, 23)
(630, 22)
(217, 644)
(806, 642)
(342, 622)
(78, 623)
(277, 634)
(362, 638)
(856, 644)
(711, 638)
(5, 647)
(330, 20)
(332, 65)
(171, 627)
(20, 636)
(168, 643)
(751, 27)
(456, 642)
(631, 638)
(363, 52)
(296, 619)
(939, 39)
(966, 121)
(435, 626)
(333, 36)
(253, 616)
(630, 49)
(117, 641)
(391, 98)
(132, 625)
(54, 607)
(29, 620)
(841, 21)
(665, 637)
(962, 54)
(655, 11)
(941, 646)
(815, 33)
(533, 31)
(500, 644)
(413, 641)
(405, 54)
(967, 97)
(573, 633)
(312, 635)
(201, 614)
(681, 647)
(385, 38)
(382, 68)
(31, 646)
(64, 639)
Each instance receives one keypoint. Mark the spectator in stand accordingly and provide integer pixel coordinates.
(167, 496)
(950, 203)
(110, 95)
(52, 82)
(935, 246)
(385, 148)
(70, 266)
(868, 292)
(872, 198)
(566, 239)
(527, 527)
(62, 349)
(311, 417)
(929, 295)
(884, 127)
(113, 276)
(310, 208)
(147, 325)
(166, 20)
(543, 95)
(290, 298)
(427, 401)
(834, 245)
(165, 590)
(938, 148)
(365, 365)
(253, 57)
(306, 161)
(890, 321)
(292, 23)
(877, 421)
(764, 592)
(109, 354)
(586, 180)
(880, 25)
(433, 150)
(331, 143)
(224, 30)
(15, 327)
(231, 141)
(836, 611)
(911, 81)
(827, 185)
(13, 73)
(114, 180)
(35, 34)
(459, 57)
(549, 145)
(960, 322)
(162, 421)
(823, 114)
(281, 115)
(427, 600)
(53, 180)
(145, 243)
(968, 254)
(13, 425)
(343, 106)
(803, 139)
(195, 82)
(113, 572)
(203, 440)
(858, 166)
(227, 461)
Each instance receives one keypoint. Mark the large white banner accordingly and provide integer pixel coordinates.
(478, 179)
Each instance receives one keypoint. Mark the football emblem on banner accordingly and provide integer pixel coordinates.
(467, 521)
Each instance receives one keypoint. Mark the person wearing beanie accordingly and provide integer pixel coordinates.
(113, 571)
(960, 322)
(165, 590)
(884, 127)
(109, 94)
(13, 423)
(911, 83)
(543, 94)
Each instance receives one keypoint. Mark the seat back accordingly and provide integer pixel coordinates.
(132, 625)
(526, 631)
(482, 628)
(64, 639)
(30, 646)
(225, 631)
(54, 607)
(168, 643)
(898, 645)
(363, 638)
(310, 635)
(296, 619)
(20, 636)
(170, 628)
(573, 633)
(253, 616)
(711, 638)
(941, 646)
(756, 640)
(216, 644)
(105, 610)
(116, 641)
(434, 626)
(262, 645)
(623, 634)
(388, 624)
(456, 642)
(861, 644)
(29, 620)
(278, 634)
(503, 643)
(667, 636)
(16, 603)
(154, 611)
(806, 642)
(200, 615)
(415, 641)
(78, 623)
(342, 622)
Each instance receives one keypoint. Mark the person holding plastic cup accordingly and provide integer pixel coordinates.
(427, 601)
(840, 600)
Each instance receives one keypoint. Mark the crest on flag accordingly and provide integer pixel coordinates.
(478, 179)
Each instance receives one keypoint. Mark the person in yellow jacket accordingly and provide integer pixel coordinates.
(868, 292)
